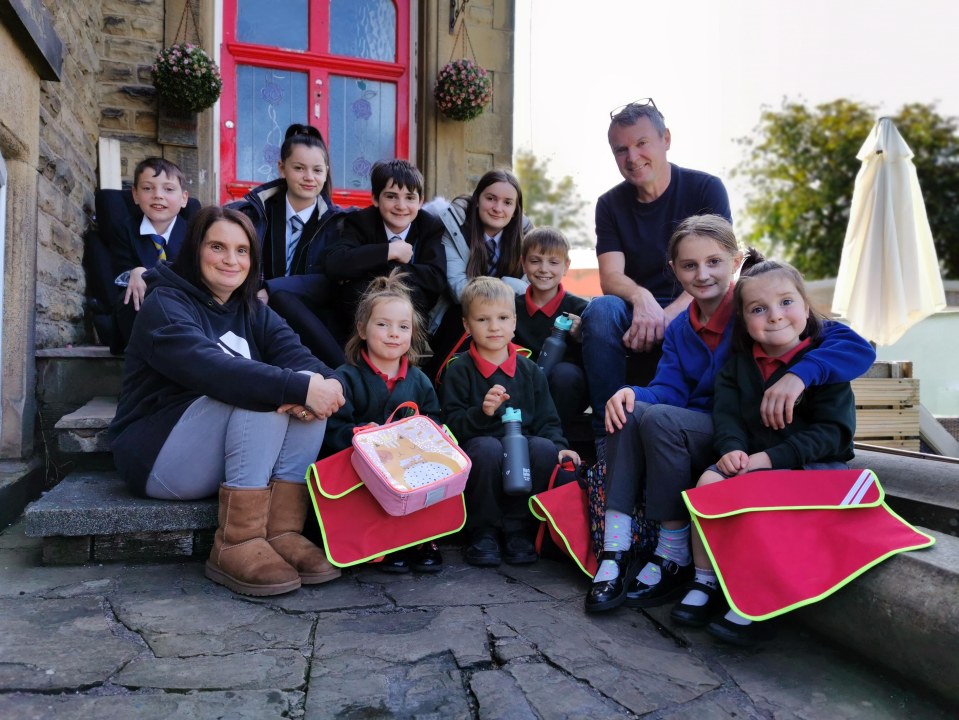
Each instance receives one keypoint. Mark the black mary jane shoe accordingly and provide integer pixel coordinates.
(672, 582)
(609, 594)
(397, 563)
(741, 635)
(426, 558)
(699, 615)
(483, 551)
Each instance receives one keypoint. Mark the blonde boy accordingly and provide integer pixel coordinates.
(478, 387)
(545, 256)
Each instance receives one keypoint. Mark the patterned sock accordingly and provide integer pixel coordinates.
(697, 597)
(673, 545)
(735, 617)
(618, 538)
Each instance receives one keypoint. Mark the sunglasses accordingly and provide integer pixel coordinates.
(642, 102)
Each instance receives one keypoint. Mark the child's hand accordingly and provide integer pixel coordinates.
(400, 251)
(575, 331)
(618, 407)
(136, 288)
(496, 396)
(263, 296)
(734, 462)
(571, 455)
(759, 461)
(776, 410)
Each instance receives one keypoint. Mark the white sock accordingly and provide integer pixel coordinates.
(734, 617)
(696, 597)
(617, 538)
(650, 574)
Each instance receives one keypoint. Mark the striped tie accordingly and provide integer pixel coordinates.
(491, 254)
(296, 230)
(160, 244)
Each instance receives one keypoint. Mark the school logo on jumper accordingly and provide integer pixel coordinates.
(233, 344)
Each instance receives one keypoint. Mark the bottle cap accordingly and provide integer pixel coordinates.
(512, 414)
(563, 323)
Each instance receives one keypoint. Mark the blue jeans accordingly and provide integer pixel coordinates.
(605, 321)
(216, 443)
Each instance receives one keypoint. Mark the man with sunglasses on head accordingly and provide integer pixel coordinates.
(634, 221)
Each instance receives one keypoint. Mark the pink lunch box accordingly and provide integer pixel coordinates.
(409, 464)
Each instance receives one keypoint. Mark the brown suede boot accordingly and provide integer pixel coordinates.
(283, 528)
(241, 558)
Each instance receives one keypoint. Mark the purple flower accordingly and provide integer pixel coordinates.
(362, 109)
(361, 166)
(272, 93)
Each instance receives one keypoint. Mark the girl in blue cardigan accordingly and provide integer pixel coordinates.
(661, 436)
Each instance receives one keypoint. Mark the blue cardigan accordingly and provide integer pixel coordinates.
(686, 374)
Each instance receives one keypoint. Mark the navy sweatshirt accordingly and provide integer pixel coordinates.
(186, 345)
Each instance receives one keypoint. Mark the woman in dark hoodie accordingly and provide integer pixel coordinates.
(294, 216)
(218, 393)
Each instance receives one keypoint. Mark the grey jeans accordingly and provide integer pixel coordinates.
(660, 451)
(216, 443)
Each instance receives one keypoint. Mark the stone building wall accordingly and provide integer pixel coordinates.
(67, 173)
(132, 34)
(456, 154)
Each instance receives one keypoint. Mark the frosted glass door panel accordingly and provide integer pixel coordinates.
(280, 23)
(268, 101)
(362, 115)
(363, 29)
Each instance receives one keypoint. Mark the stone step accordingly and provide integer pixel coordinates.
(85, 429)
(924, 489)
(92, 516)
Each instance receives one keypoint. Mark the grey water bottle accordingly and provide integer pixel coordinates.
(554, 348)
(516, 474)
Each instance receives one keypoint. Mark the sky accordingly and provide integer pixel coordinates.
(711, 66)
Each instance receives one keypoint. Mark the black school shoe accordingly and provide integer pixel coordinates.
(484, 550)
(672, 582)
(699, 615)
(741, 635)
(397, 563)
(609, 594)
(426, 558)
(519, 550)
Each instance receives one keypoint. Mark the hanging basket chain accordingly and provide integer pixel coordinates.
(190, 12)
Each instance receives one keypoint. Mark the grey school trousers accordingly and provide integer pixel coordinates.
(661, 450)
(216, 443)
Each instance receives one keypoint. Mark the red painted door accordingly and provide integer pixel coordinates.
(342, 66)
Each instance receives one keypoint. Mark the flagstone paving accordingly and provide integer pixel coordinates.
(161, 641)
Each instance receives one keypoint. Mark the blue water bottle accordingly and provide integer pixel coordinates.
(554, 348)
(516, 474)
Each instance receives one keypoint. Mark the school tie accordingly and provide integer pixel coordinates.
(491, 254)
(396, 238)
(296, 230)
(160, 244)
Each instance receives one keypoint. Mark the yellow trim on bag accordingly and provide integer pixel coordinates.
(546, 517)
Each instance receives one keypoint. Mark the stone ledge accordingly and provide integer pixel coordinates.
(85, 429)
(99, 503)
(902, 614)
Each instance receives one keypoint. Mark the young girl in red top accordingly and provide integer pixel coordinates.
(379, 376)
(775, 327)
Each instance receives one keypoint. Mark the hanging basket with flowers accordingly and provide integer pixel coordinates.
(462, 90)
(186, 78)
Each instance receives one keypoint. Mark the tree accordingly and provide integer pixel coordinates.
(549, 202)
(801, 166)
